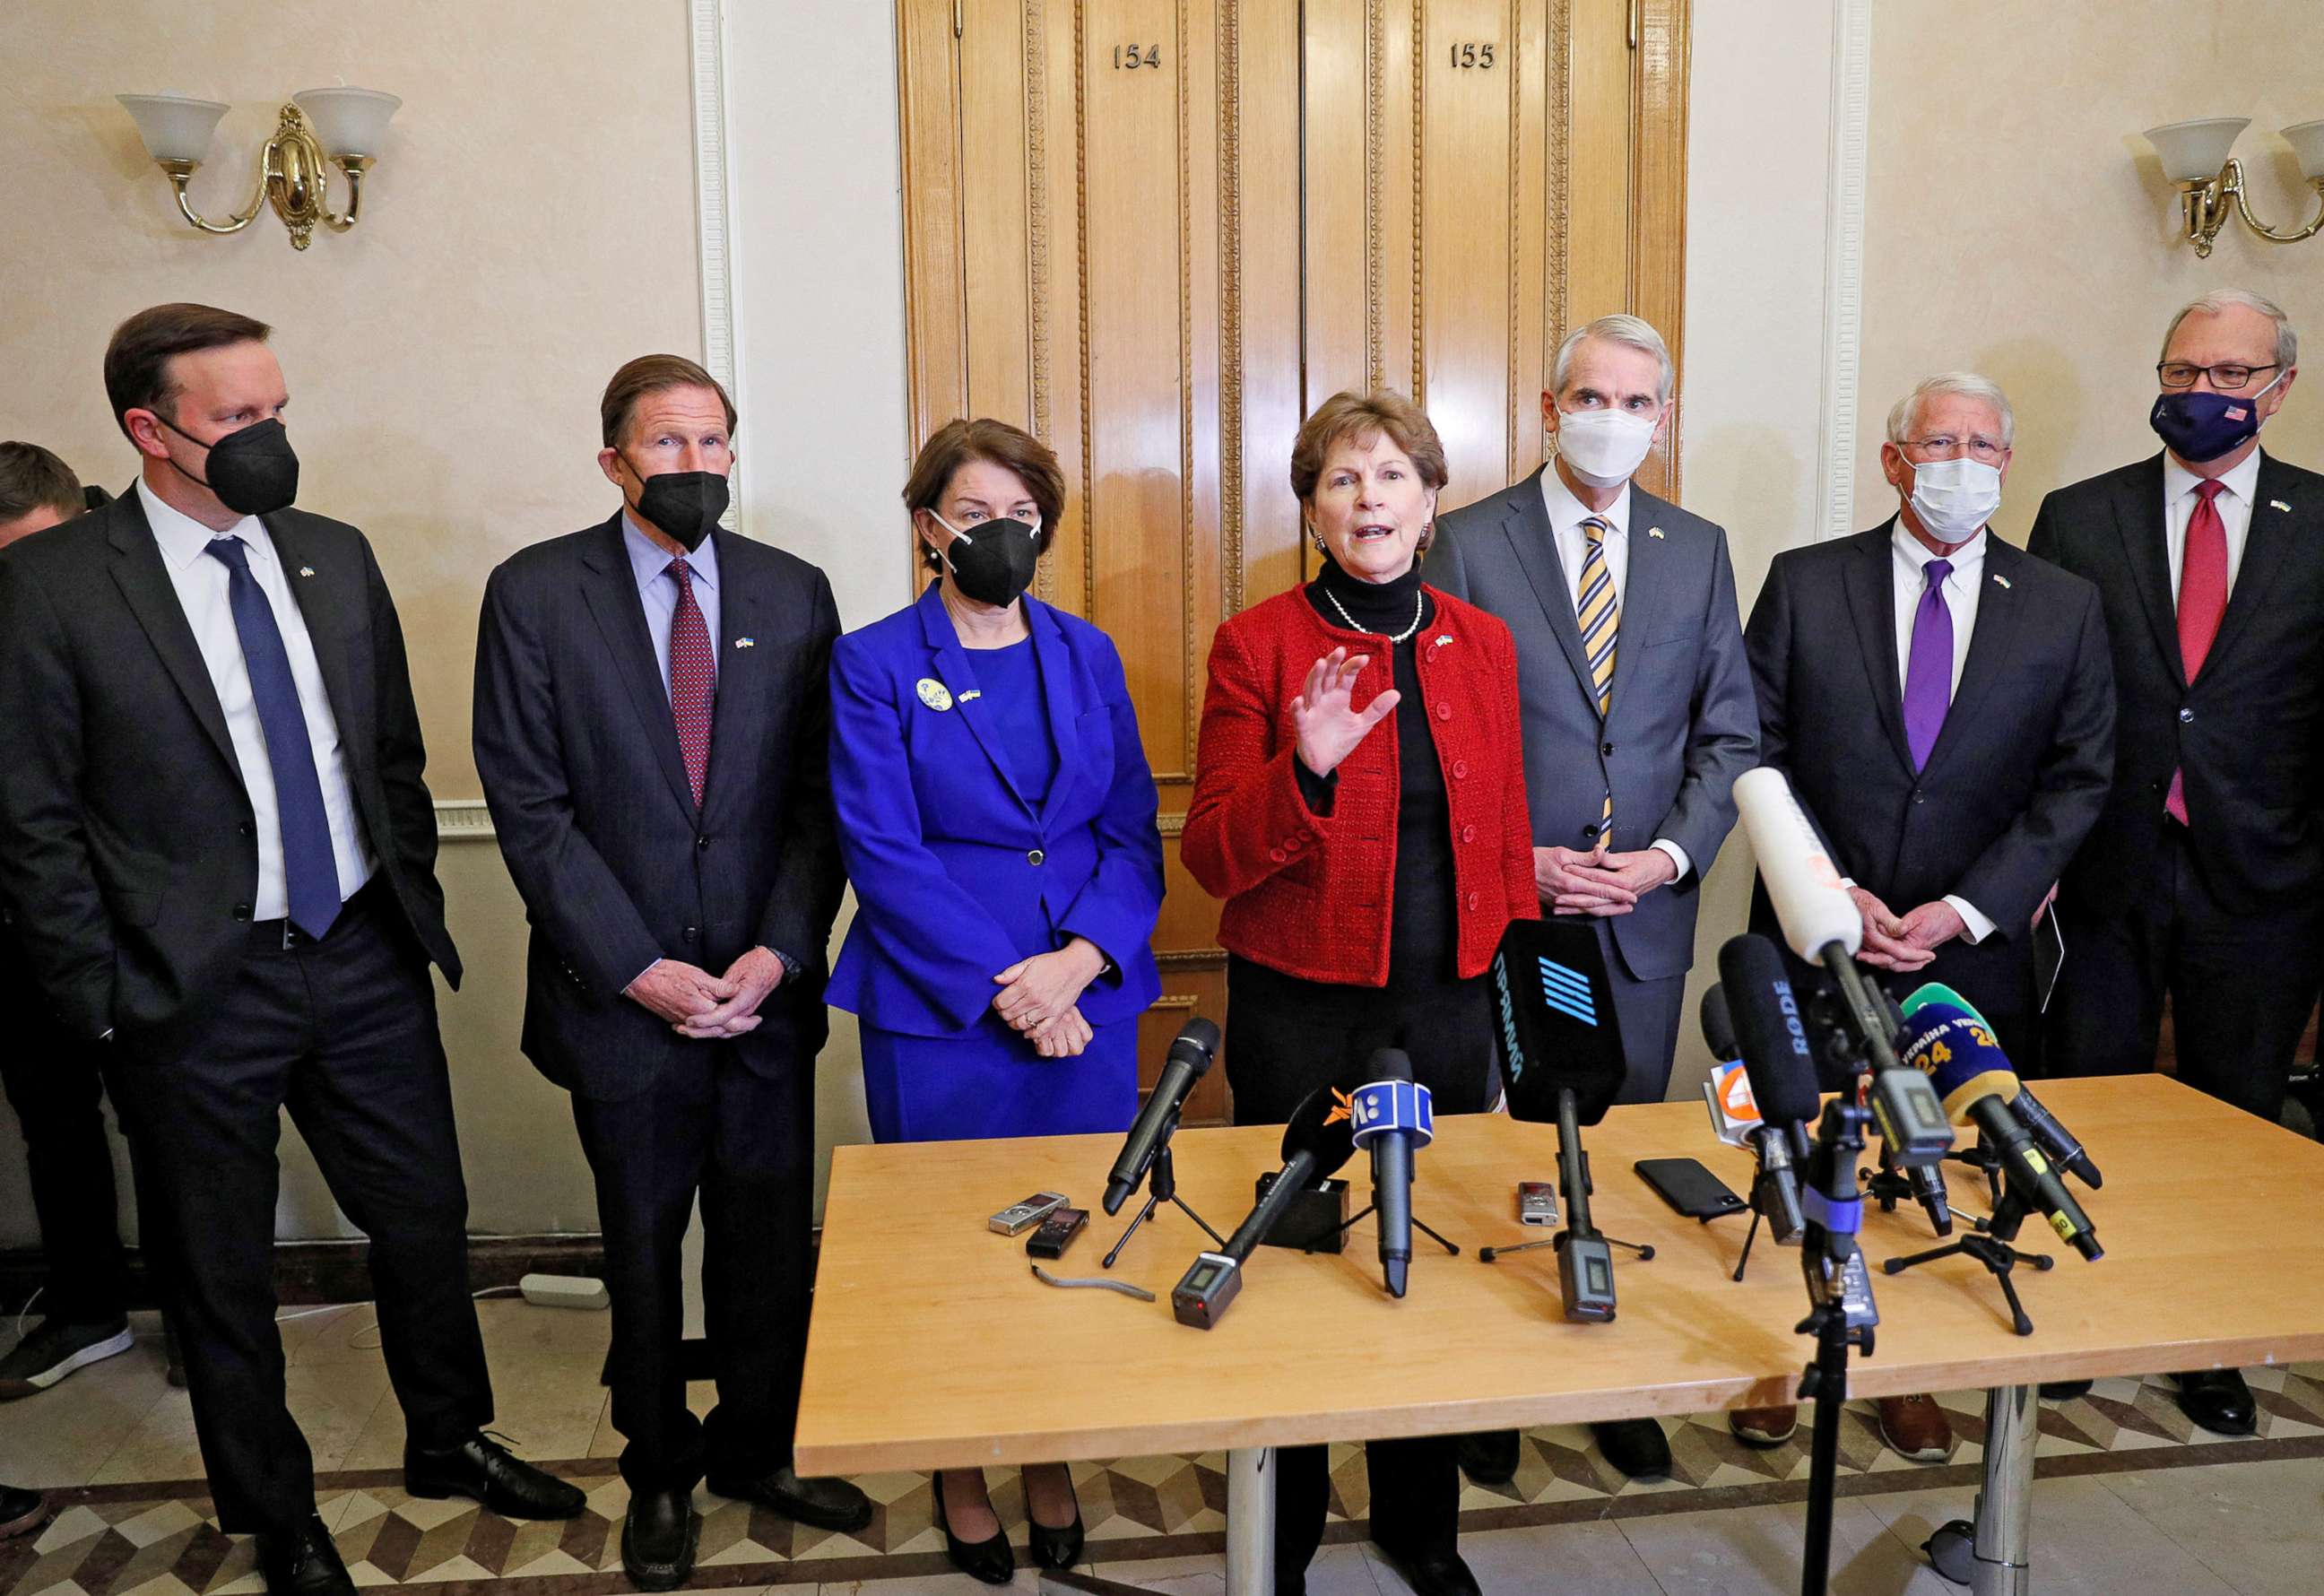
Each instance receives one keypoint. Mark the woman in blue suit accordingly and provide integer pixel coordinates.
(997, 817)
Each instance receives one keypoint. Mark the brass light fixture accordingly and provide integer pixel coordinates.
(348, 123)
(2195, 157)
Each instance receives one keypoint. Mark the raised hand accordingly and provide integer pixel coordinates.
(1329, 726)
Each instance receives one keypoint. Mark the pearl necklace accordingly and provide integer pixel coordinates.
(1420, 603)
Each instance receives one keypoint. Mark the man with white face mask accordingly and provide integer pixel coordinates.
(1636, 702)
(1944, 704)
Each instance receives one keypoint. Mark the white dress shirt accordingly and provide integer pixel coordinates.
(2234, 505)
(201, 582)
(1566, 514)
(1962, 588)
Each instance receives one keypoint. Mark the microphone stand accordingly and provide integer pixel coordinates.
(1840, 1314)
(1585, 1266)
(1766, 1200)
(1993, 1250)
(1162, 1186)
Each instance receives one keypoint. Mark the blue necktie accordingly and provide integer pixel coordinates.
(309, 870)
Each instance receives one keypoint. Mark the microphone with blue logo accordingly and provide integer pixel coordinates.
(1393, 1117)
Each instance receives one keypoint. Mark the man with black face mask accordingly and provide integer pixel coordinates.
(2202, 878)
(650, 727)
(222, 864)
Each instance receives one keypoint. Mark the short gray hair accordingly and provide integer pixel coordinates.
(1905, 414)
(2220, 299)
(1632, 332)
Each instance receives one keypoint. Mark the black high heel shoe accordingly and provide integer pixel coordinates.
(991, 1561)
(1055, 1549)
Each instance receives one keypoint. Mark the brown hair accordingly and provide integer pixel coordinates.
(1348, 415)
(958, 443)
(137, 374)
(30, 477)
(653, 374)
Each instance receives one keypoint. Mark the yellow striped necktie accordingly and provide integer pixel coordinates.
(1599, 613)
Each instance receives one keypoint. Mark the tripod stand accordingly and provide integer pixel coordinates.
(1840, 1314)
(1993, 1250)
(1162, 1186)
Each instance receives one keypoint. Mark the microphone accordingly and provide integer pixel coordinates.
(1393, 1116)
(1719, 1026)
(1779, 1067)
(2064, 1148)
(1973, 1077)
(1319, 1139)
(1191, 1054)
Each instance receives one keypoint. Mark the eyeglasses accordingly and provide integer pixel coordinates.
(2178, 373)
(1945, 447)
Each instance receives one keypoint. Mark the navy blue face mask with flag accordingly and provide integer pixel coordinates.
(2200, 427)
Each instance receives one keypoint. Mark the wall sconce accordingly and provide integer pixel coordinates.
(2195, 157)
(350, 123)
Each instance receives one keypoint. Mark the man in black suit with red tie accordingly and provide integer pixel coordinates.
(222, 864)
(2204, 878)
(1943, 706)
(651, 714)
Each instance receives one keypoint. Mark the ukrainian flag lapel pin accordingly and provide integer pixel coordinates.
(746, 643)
(1655, 532)
(306, 570)
(2000, 580)
(2280, 504)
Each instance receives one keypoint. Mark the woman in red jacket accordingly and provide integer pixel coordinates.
(1359, 803)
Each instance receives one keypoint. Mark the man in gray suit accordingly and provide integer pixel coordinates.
(1636, 700)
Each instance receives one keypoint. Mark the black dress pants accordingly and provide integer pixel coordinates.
(2241, 986)
(341, 1032)
(55, 1083)
(744, 1142)
(1284, 1038)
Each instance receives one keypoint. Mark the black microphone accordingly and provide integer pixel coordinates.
(1393, 1116)
(1757, 997)
(1719, 1026)
(1319, 1139)
(1190, 1059)
(2064, 1148)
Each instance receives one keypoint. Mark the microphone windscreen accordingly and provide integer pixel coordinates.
(1323, 1128)
(1767, 1016)
(1937, 992)
(1197, 1045)
(1801, 883)
(1718, 1027)
(1956, 1050)
(1558, 1030)
(1388, 1063)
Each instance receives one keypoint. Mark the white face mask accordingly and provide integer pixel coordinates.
(1955, 498)
(1603, 447)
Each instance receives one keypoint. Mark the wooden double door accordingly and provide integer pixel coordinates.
(1156, 233)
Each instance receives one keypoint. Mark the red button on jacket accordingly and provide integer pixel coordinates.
(1308, 916)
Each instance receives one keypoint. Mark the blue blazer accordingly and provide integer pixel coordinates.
(956, 876)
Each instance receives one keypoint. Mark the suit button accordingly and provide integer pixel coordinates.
(1291, 844)
(1607, 748)
(1460, 770)
(702, 844)
(1034, 855)
(1277, 855)
(2186, 716)
(247, 829)
(1472, 903)
(1589, 831)
(242, 911)
(1918, 797)
(1468, 833)
(687, 934)
(1444, 712)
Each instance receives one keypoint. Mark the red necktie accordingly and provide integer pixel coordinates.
(690, 680)
(2202, 600)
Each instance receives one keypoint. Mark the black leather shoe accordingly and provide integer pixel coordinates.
(2218, 1400)
(990, 1561)
(20, 1511)
(1488, 1457)
(826, 1504)
(2065, 1390)
(1058, 1549)
(658, 1539)
(1433, 1573)
(303, 1563)
(1635, 1446)
(485, 1470)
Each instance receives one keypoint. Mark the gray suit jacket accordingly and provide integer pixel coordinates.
(1683, 724)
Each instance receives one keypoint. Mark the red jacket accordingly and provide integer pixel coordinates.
(1309, 894)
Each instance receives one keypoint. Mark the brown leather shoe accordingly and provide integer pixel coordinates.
(1763, 1426)
(1915, 1428)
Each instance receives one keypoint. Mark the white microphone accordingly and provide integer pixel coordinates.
(1802, 883)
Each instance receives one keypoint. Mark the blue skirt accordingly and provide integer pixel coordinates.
(987, 1082)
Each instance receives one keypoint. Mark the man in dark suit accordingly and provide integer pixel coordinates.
(2202, 878)
(227, 877)
(1943, 706)
(652, 709)
(1636, 700)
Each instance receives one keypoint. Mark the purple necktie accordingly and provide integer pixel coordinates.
(1929, 673)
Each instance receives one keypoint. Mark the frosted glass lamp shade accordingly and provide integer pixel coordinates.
(347, 121)
(2195, 150)
(2307, 141)
(174, 126)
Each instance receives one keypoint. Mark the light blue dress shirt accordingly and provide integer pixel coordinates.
(658, 589)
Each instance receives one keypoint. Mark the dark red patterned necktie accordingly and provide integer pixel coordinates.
(691, 686)
(2202, 601)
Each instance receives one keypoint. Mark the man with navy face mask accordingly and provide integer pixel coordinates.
(2201, 878)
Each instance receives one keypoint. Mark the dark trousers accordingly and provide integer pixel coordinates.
(2241, 986)
(54, 1084)
(343, 1034)
(746, 1143)
(1284, 1038)
(1649, 1012)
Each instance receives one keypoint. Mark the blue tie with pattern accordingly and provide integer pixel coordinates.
(310, 870)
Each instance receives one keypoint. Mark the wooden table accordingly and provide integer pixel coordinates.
(932, 1345)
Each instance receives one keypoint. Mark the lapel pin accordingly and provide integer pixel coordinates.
(1443, 638)
(746, 643)
(1653, 531)
(2000, 580)
(2279, 504)
(934, 693)
(309, 571)
(972, 693)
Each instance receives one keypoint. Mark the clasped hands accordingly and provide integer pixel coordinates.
(706, 1007)
(1904, 942)
(1040, 998)
(1598, 883)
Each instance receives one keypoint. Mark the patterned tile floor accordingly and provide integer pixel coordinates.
(134, 1538)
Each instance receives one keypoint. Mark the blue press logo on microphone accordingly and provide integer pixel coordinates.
(1393, 1105)
(1568, 992)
